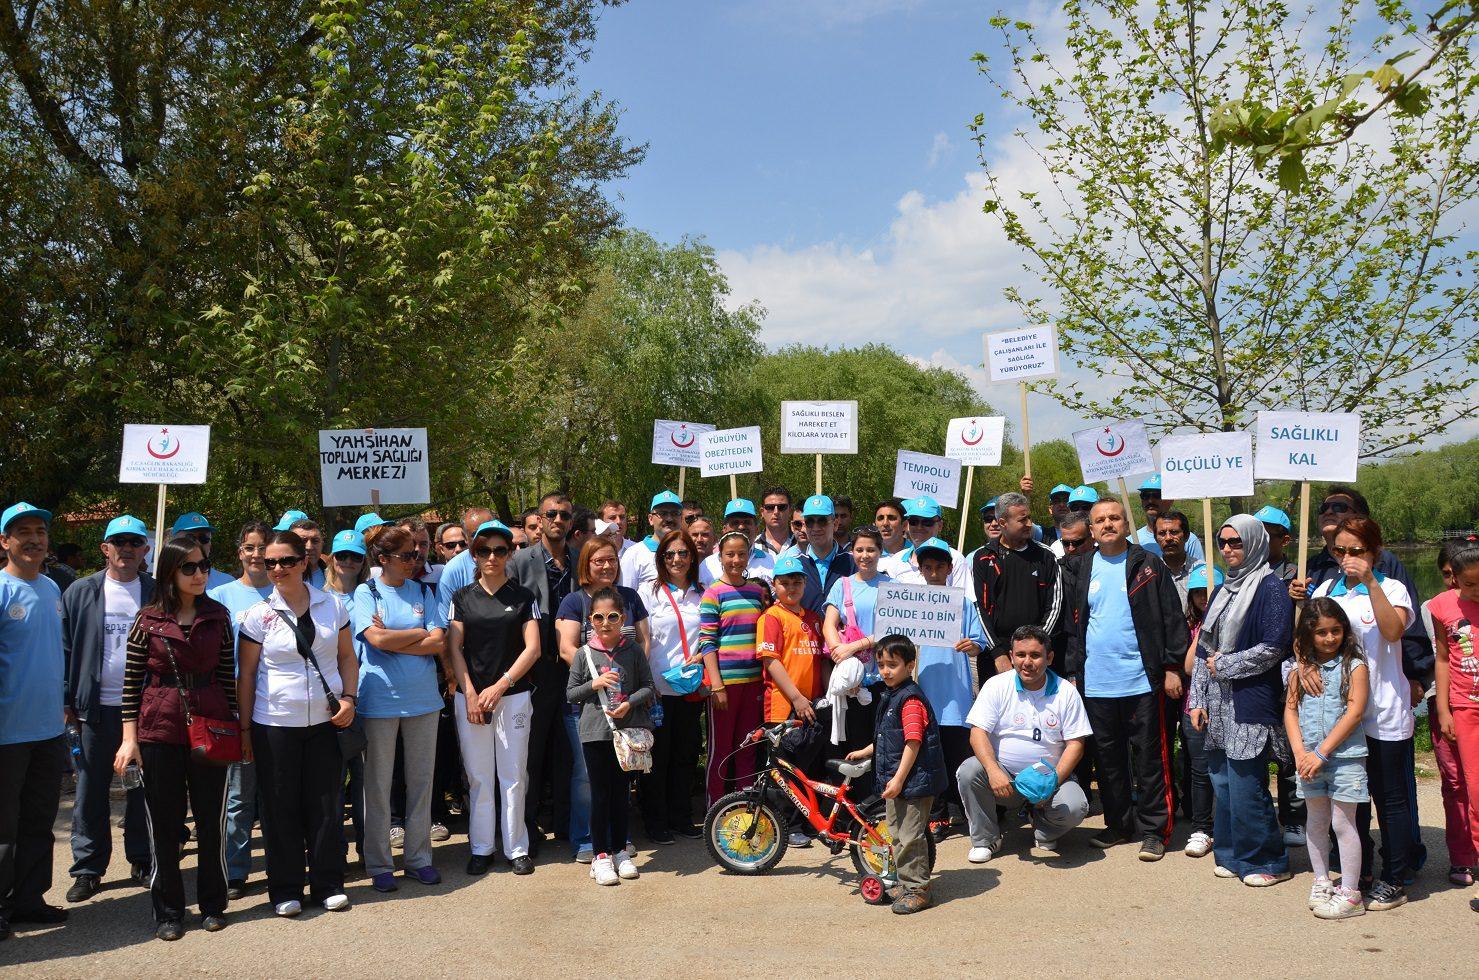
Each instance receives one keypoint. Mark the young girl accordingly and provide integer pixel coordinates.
(1460, 831)
(1330, 749)
(1456, 671)
(728, 614)
(622, 672)
(910, 766)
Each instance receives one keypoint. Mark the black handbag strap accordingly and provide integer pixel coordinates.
(305, 650)
(179, 684)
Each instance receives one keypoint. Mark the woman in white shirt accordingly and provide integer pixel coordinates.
(1379, 609)
(672, 601)
(290, 724)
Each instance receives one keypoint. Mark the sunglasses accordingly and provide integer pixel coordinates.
(1335, 507)
(817, 521)
(600, 619)
(1080, 507)
(405, 556)
(558, 515)
(692, 517)
(201, 537)
(676, 553)
(354, 556)
(288, 562)
(774, 507)
(201, 567)
(1074, 543)
(1341, 552)
(481, 554)
(1147, 495)
(126, 541)
(453, 545)
(919, 521)
(1230, 543)
(521, 546)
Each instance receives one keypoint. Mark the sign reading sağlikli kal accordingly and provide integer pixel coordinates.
(819, 427)
(1212, 464)
(355, 463)
(1308, 446)
(165, 453)
(676, 443)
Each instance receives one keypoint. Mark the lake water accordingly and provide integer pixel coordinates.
(1422, 563)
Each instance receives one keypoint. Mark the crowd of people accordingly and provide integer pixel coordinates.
(406, 672)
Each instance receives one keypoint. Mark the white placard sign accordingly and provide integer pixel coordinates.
(927, 614)
(1021, 355)
(165, 453)
(727, 452)
(1112, 449)
(975, 441)
(354, 462)
(819, 427)
(920, 475)
(676, 443)
(1308, 446)
(1212, 464)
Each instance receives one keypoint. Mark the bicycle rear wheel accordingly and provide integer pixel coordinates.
(743, 835)
(870, 863)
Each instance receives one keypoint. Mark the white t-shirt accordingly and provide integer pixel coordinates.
(904, 567)
(1028, 726)
(1389, 714)
(762, 565)
(667, 650)
(639, 566)
(120, 608)
(289, 692)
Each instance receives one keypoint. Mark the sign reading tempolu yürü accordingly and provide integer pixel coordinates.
(356, 464)
(928, 614)
(727, 452)
(1212, 464)
(1112, 449)
(165, 453)
(1021, 355)
(975, 441)
(1308, 446)
(819, 427)
(676, 443)
(920, 474)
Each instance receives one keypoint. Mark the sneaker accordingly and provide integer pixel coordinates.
(1342, 905)
(1096, 807)
(912, 900)
(478, 864)
(1294, 837)
(426, 875)
(603, 871)
(170, 931)
(523, 865)
(1321, 892)
(289, 908)
(213, 923)
(337, 902)
(585, 855)
(939, 830)
(663, 836)
(83, 888)
(1222, 872)
(41, 915)
(384, 882)
(1152, 849)
(1263, 880)
(624, 866)
(1385, 896)
(1108, 839)
(1044, 849)
(236, 888)
(798, 839)
(397, 836)
(980, 855)
(439, 832)
(1198, 845)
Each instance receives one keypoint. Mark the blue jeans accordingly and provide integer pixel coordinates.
(1199, 781)
(241, 816)
(92, 829)
(580, 785)
(1390, 772)
(1246, 835)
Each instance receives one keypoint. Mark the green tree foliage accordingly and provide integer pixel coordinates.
(1193, 290)
(1418, 497)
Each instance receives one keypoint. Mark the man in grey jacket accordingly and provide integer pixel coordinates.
(97, 614)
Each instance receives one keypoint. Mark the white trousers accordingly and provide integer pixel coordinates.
(497, 750)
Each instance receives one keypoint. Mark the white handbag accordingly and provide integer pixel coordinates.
(633, 745)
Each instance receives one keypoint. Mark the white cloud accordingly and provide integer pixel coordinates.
(939, 149)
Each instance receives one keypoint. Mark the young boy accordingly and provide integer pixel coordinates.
(909, 765)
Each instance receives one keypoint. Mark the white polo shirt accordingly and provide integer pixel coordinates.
(1028, 726)
(1389, 714)
(762, 565)
(639, 564)
(904, 567)
(289, 693)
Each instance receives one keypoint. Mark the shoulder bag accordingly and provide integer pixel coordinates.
(688, 677)
(351, 737)
(215, 741)
(633, 745)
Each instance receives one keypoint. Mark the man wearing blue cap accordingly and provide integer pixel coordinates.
(97, 614)
(1279, 529)
(1154, 506)
(194, 525)
(33, 752)
(639, 564)
(824, 561)
(1057, 509)
(739, 515)
(922, 522)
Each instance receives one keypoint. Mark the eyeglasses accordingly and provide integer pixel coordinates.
(600, 619)
(1335, 507)
(288, 562)
(453, 545)
(558, 515)
(201, 567)
(482, 554)
(817, 521)
(1236, 543)
(1341, 552)
(1080, 507)
(353, 556)
(126, 541)
(676, 553)
(1071, 543)
(774, 507)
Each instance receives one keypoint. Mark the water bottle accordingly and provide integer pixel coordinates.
(133, 777)
(74, 743)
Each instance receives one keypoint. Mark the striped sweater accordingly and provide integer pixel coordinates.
(727, 615)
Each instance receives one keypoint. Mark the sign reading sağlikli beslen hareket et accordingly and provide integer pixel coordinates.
(819, 427)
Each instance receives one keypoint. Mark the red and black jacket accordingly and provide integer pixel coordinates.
(1155, 608)
(997, 618)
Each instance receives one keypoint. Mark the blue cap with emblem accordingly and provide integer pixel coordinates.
(1197, 579)
(933, 544)
(347, 540)
(817, 505)
(17, 511)
(922, 507)
(739, 505)
(288, 519)
(988, 507)
(1151, 483)
(788, 564)
(191, 521)
(367, 521)
(1083, 495)
(664, 498)
(1062, 488)
(1272, 515)
(494, 527)
(126, 524)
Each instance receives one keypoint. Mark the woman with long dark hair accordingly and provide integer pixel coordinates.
(181, 659)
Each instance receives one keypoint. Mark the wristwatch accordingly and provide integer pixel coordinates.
(351, 698)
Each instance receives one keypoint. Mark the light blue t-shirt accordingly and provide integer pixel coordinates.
(217, 578)
(460, 571)
(396, 685)
(1145, 538)
(864, 600)
(31, 664)
(945, 675)
(238, 598)
(1112, 664)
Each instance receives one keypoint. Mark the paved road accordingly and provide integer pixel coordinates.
(1087, 912)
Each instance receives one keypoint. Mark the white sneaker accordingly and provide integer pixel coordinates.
(439, 832)
(798, 839)
(398, 837)
(1045, 849)
(624, 866)
(1262, 880)
(337, 903)
(585, 855)
(1321, 892)
(1294, 836)
(1222, 872)
(289, 909)
(1342, 905)
(603, 871)
(1198, 845)
(980, 855)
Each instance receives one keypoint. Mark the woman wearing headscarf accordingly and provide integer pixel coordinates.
(1236, 697)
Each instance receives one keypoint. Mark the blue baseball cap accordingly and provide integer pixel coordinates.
(788, 564)
(933, 544)
(289, 517)
(1062, 488)
(1198, 577)
(127, 524)
(347, 540)
(191, 521)
(665, 497)
(1151, 483)
(817, 505)
(1083, 495)
(1272, 515)
(921, 507)
(367, 521)
(988, 505)
(739, 505)
(493, 527)
(22, 509)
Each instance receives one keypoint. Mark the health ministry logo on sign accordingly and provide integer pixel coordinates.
(1113, 448)
(164, 453)
(681, 437)
(162, 446)
(1111, 444)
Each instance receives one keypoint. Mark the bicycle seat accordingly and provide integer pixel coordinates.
(851, 770)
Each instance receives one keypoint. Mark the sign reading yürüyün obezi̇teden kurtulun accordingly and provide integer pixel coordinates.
(819, 427)
(930, 615)
(354, 464)
(728, 452)
(1308, 446)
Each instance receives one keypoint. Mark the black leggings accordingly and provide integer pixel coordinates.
(610, 786)
(300, 778)
(169, 774)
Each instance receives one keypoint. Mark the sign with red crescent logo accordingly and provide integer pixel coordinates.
(975, 441)
(164, 453)
(1109, 444)
(675, 442)
(162, 446)
(973, 435)
(681, 437)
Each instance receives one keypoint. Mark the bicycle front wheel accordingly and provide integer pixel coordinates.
(744, 835)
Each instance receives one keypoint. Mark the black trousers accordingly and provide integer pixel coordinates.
(30, 793)
(299, 775)
(667, 791)
(92, 812)
(1291, 807)
(546, 728)
(169, 774)
(1180, 782)
(610, 785)
(955, 744)
(1134, 769)
(858, 734)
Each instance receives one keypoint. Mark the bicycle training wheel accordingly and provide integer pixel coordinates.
(743, 837)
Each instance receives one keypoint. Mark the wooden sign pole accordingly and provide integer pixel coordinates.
(819, 473)
(1210, 546)
(158, 530)
(1304, 523)
(965, 508)
(682, 474)
(1129, 514)
(1026, 439)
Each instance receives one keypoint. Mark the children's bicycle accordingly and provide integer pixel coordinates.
(746, 834)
